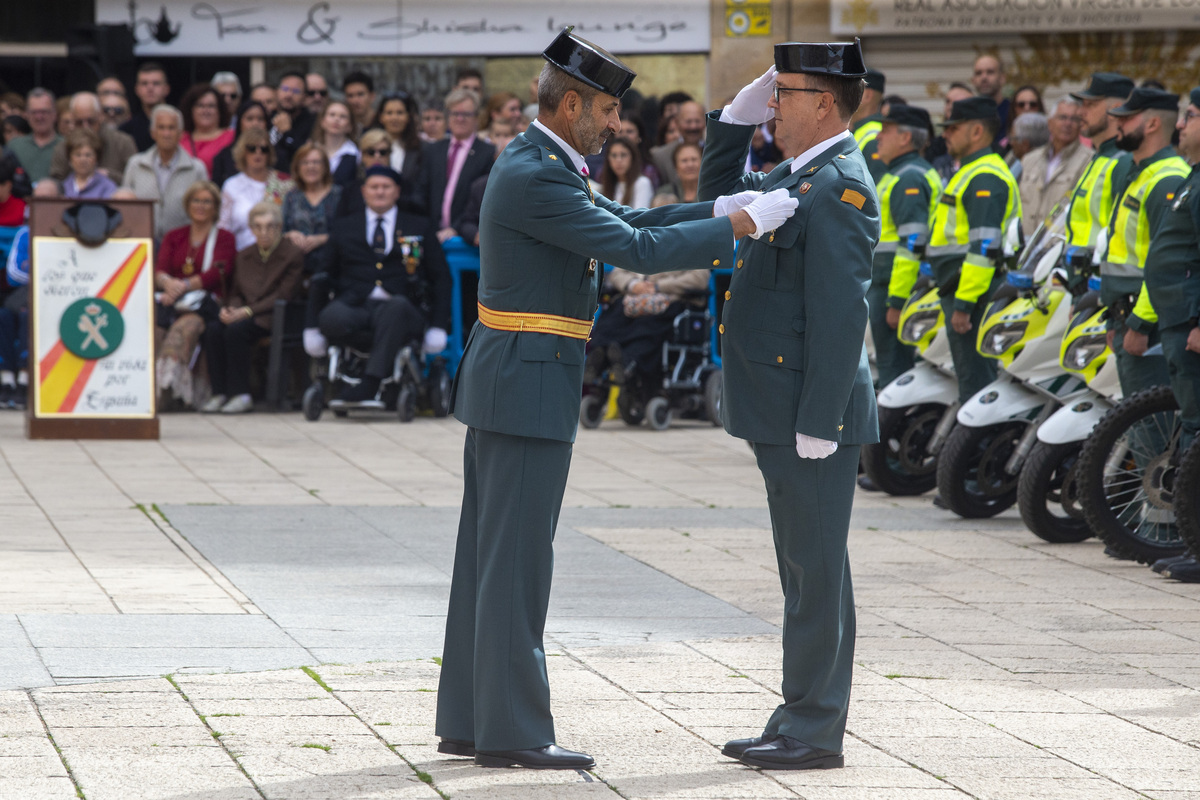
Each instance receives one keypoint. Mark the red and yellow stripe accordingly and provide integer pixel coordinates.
(62, 374)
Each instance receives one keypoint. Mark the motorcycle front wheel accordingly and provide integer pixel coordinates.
(899, 463)
(971, 478)
(1047, 496)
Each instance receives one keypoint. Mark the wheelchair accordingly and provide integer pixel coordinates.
(409, 389)
(686, 384)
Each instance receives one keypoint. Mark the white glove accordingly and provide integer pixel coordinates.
(314, 343)
(771, 210)
(750, 105)
(727, 204)
(812, 447)
(435, 341)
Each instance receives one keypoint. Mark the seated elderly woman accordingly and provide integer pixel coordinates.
(83, 156)
(309, 209)
(270, 269)
(193, 268)
(629, 334)
(257, 181)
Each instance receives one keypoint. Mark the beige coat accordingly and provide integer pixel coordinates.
(673, 284)
(169, 212)
(1039, 193)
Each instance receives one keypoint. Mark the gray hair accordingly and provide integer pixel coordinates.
(1032, 128)
(90, 98)
(226, 77)
(165, 108)
(458, 95)
(920, 136)
(553, 85)
(265, 208)
(1066, 102)
(40, 92)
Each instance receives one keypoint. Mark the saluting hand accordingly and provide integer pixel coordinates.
(750, 106)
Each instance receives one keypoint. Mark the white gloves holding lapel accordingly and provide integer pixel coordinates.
(728, 204)
(770, 210)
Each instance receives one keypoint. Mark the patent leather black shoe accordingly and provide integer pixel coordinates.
(1166, 563)
(549, 757)
(1186, 571)
(866, 484)
(456, 747)
(787, 753)
(736, 747)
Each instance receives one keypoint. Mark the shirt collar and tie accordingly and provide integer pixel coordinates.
(810, 155)
(381, 225)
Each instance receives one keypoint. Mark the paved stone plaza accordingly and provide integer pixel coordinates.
(252, 607)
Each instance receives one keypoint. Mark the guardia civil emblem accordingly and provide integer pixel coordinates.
(91, 328)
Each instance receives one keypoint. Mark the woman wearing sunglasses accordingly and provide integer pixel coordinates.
(256, 181)
(376, 152)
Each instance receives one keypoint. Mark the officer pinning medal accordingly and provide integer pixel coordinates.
(521, 377)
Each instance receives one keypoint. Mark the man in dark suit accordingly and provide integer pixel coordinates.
(450, 166)
(390, 277)
(292, 124)
(151, 89)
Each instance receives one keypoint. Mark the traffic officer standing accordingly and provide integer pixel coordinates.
(907, 192)
(797, 382)
(518, 388)
(966, 234)
(1103, 179)
(868, 121)
(1144, 125)
(1173, 285)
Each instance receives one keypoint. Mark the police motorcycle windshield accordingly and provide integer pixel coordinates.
(1044, 251)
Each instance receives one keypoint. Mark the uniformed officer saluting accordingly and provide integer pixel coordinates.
(541, 236)
(797, 382)
(966, 234)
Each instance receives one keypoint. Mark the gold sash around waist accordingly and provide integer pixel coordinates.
(535, 323)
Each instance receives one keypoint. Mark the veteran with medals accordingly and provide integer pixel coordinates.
(797, 382)
(542, 238)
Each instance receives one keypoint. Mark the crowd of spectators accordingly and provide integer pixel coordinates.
(215, 163)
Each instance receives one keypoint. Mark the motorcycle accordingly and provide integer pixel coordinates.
(978, 468)
(1047, 490)
(917, 409)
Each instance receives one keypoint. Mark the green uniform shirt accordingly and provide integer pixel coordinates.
(989, 200)
(907, 192)
(864, 136)
(35, 160)
(1172, 270)
(1144, 201)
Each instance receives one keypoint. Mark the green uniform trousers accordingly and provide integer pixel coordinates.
(972, 370)
(1136, 373)
(493, 689)
(1184, 368)
(892, 357)
(810, 501)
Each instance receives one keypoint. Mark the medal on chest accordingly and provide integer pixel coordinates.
(410, 250)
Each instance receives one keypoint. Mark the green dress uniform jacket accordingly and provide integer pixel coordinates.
(1173, 283)
(541, 234)
(793, 361)
(792, 327)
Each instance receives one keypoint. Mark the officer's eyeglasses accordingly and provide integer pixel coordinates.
(779, 89)
(1188, 116)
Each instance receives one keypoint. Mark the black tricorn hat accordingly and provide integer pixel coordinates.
(840, 59)
(589, 63)
(908, 116)
(92, 223)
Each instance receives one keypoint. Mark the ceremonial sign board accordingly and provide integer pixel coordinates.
(92, 330)
(301, 28)
(911, 17)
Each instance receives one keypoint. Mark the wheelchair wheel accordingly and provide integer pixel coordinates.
(406, 403)
(630, 407)
(658, 411)
(313, 402)
(713, 387)
(591, 411)
(439, 388)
